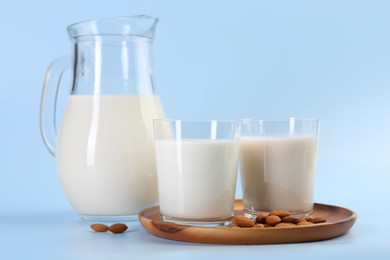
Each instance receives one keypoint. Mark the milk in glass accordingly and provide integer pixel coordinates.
(278, 172)
(197, 178)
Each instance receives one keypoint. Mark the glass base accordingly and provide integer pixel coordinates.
(107, 218)
(250, 213)
(198, 222)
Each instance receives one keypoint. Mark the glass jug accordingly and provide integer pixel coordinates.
(104, 147)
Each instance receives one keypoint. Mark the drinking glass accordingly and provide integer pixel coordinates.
(278, 164)
(197, 165)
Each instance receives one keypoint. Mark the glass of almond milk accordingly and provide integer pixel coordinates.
(278, 164)
(197, 165)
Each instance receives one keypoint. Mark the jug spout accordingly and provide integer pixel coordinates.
(137, 25)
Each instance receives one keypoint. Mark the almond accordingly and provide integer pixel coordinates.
(261, 217)
(259, 226)
(280, 213)
(307, 218)
(99, 227)
(317, 220)
(285, 225)
(118, 228)
(273, 220)
(290, 219)
(242, 221)
(276, 218)
(304, 223)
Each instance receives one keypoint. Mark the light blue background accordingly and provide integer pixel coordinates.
(213, 60)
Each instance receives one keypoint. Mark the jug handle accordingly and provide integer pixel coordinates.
(49, 97)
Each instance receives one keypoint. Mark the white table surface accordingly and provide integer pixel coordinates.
(61, 234)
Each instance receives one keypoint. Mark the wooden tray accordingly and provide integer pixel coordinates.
(339, 221)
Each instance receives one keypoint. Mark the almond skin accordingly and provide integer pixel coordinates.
(304, 223)
(280, 213)
(118, 228)
(261, 217)
(273, 220)
(307, 218)
(242, 221)
(259, 225)
(99, 227)
(290, 219)
(317, 220)
(286, 224)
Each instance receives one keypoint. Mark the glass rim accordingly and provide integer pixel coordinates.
(171, 120)
(287, 119)
(90, 27)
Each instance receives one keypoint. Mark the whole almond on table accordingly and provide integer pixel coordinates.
(285, 224)
(259, 225)
(317, 220)
(118, 228)
(304, 223)
(242, 221)
(307, 218)
(290, 219)
(99, 227)
(273, 220)
(261, 217)
(280, 213)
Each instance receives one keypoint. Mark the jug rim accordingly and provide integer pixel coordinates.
(133, 25)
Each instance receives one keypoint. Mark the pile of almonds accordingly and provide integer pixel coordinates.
(114, 228)
(276, 218)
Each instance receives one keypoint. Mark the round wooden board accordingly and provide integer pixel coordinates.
(339, 221)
